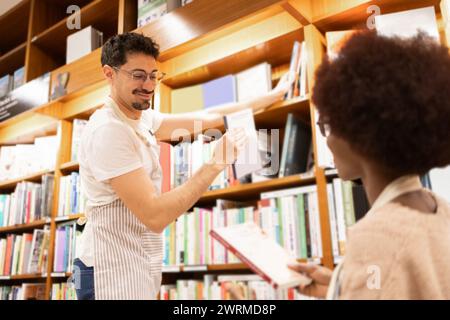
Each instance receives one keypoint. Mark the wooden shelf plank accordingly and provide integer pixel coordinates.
(275, 115)
(204, 21)
(36, 177)
(236, 52)
(69, 167)
(221, 267)
(353, 14)
(252, 190)
(69, 217)
(23, 277)
(23, 227)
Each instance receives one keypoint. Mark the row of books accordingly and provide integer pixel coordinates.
(29, 202)
(347, 203)
(63, 291)
(66, 240)
(11, 82)
(248, 84)
(26, 291)
(24, 254)
(71, 197)
(151, 10)
(289, 216)
(24, 159)
(181, 161)
(298, 66)
(213, 287)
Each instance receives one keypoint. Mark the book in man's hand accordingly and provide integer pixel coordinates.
(249, 160)
(261, 253)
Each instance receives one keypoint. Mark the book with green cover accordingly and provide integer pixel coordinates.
(302, 227)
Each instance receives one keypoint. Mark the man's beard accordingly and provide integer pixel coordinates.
(141, 105)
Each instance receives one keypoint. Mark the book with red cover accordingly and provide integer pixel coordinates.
(261, 253)
(165, 161)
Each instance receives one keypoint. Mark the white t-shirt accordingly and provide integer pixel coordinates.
(110, 147)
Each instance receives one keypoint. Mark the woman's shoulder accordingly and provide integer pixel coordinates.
(395, 223)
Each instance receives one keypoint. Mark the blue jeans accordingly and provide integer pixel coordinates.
(83, 278)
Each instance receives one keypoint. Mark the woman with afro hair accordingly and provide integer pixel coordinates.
(384, 107)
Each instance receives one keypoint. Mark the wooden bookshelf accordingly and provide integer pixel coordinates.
(342, 15)
(15, 21)
(23, 227)
(214, 38)
(11, 184)
(13, 59)
(102, 14)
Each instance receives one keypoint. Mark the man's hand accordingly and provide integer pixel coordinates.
(229, 146)
(285, 83)
(321, 277)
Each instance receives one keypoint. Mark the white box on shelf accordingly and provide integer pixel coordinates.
(82, 43)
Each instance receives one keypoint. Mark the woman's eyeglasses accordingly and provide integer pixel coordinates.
(142, 76)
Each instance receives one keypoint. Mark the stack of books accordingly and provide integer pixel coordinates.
(29, 202)
(24, 254)
(213, 287)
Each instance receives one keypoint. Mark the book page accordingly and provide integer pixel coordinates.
(263, 253)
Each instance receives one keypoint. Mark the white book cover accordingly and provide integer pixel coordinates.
(324, 155)
(47, 148)
(254, 82)
(249, 159)
(408, 23)
(340, 214)
(16, 254)
(313, 199)
(440, 182)
(77, 131)
(303, 71)
(333, 223)
(261, 253)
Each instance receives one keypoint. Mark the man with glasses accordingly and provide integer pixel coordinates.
(121, 252)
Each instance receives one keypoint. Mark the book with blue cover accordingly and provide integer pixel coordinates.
(219, 91)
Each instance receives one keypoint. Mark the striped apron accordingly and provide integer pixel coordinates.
(128, 256)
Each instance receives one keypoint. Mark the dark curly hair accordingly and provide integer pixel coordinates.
(115, 50)
(390, 99)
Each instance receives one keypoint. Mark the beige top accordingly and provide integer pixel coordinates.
(396, 252)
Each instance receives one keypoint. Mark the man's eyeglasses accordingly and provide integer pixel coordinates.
(142, 76)
(324, 128)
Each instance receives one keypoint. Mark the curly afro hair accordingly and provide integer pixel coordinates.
(390, 99)
(115, 50)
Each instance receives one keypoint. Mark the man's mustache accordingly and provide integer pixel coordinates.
(137, 91)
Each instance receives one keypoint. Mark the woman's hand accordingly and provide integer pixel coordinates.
(321, 277)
